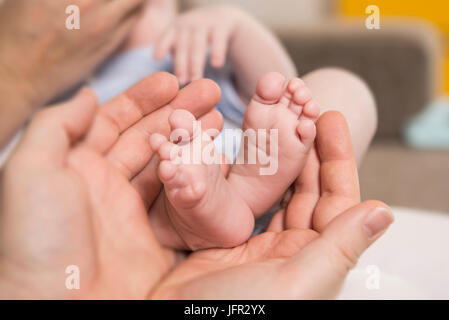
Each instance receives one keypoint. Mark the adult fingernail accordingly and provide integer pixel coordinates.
(378, 221)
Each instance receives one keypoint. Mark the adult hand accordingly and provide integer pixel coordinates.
(40, 58)
(286, 261)
(68, 196)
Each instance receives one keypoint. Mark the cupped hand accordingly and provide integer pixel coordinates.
(289, 261)
(71, 194)
(191, 35)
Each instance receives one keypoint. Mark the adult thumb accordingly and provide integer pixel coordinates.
(323, 264)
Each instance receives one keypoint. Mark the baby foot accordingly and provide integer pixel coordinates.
(287, 117)
(204, 210)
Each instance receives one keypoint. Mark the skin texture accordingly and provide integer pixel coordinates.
(208, 210)
(75, 206)
(244, 50)
(65, 188)
(56, 58)
(203, 208)
(288, 262)
(359, 110)
(289, 108)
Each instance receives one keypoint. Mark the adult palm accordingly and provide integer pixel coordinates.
(69, 198)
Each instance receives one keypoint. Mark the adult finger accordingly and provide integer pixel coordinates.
(54, 130)
(339, 181)
(277, 222)
(146, 180)
(321, 267)
(131, 151)
(199, 97)
(329, 181)
(306, 194)
(128, 108)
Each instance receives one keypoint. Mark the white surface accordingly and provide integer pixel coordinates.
(412, 258)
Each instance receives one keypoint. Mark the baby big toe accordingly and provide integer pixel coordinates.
(269, 88)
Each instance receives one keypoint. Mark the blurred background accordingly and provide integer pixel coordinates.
(406, 64)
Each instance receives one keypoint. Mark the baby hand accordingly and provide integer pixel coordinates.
(189, 37)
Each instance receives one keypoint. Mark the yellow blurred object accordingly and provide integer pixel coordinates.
(435, 11)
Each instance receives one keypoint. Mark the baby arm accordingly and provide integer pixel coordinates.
(254, 50)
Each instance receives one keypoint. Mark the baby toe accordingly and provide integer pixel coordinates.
(168, 151)
(307, 131)
(269, 88)
(311, 110)
(156, 140)
(167, 171)
(302, 96)
(294, 85)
